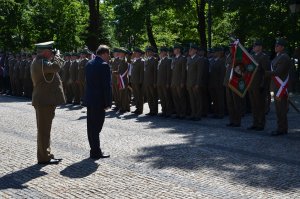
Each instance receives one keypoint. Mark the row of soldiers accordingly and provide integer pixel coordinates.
(183, 83)
(17, 68)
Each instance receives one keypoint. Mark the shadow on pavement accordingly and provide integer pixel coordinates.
(245, 157)
(16, 180)
(80, 169)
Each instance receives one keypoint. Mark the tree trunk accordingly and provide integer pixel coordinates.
(149, 26)
(94, 24)
(201, 27)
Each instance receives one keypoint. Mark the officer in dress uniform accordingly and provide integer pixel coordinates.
(123, 80)
(115, 87)
(81, 72)
(150, 80)
(163, 82)
(136, 79)
(194, 74)
(280, 67)
(258, 88)
(234, 102)
(178, 82)
(216, 78)
(11, 63)
(65, 76)
(47, 94)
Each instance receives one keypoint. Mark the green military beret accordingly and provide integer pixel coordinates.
(151, 48)
(171, 49)
(218, 49)
(67, 54)
(122, 50)
(281, 42)
(138, 50)
(257, 43)
(75, 54)
(164, 49)
(85, 52)
(194, 46)
(45, 45)
(177, 46)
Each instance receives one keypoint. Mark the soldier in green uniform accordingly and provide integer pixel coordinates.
(81, 72)
(65, 76)
(17, 75)
(178, 82)
(194, 74)
(216, 78)
(234, 102)
(163, 82)
(258, 89)
(150, 80)
(27, 77)
(203, 84)
(115, 87)
(123, 80)
(22, 67)
(136, 79)
(11, 63)
(280, 67)
(45, 78)
(73, 78)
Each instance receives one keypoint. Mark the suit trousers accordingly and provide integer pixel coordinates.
(44, 117)
(257, 99)
(151, 94)
(195, 102)
(281, 107)
(164, 95)
(95, 120)
(179, 100)
(138, 97)
(217, 97)
(234, 105)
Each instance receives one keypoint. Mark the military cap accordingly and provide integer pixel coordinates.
(171, 49)
(67, 54)
(45, 45)
(151, 48)
(218, 49)
(178, 46)
(120, 50)
(85, 52)
(75, 54)
(138, 50)
(257, 43)
(115, 50)
(164, 49)
(194, 46)
(281, 42)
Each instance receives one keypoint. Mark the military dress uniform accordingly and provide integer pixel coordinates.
(81, 76)
(136, 79)
(115, 86)
(150, 80)
(178, 82)
(28, 86)
(280, 67)
(65, 76)
(47, 94)
(123, 81)
(216, 89)
(11, 64)
(258, 91)
(16, 76)
(163, 85)
(194, 75)
(234, 102)
(73, 80)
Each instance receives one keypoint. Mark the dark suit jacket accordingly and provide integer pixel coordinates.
(98, 84)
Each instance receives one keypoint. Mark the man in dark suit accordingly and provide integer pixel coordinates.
(98, 98)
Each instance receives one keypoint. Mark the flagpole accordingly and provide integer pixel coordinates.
(245, 51)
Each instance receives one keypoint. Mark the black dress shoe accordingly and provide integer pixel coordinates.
(252, 127)
(259, 128)
(229, 125)
(51, 161)
(100, 156)
(277, 133)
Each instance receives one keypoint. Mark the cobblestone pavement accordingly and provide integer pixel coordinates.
(151, 157)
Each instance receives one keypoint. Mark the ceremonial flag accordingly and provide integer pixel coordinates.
(243, 69)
